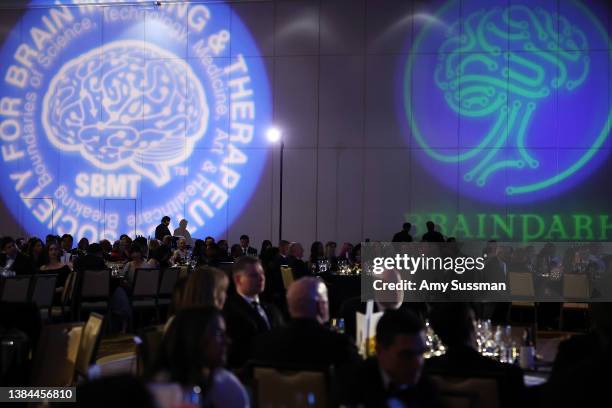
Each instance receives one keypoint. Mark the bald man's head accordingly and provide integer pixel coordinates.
(307, 299)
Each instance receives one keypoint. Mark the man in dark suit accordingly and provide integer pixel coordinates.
(404, 234)
(92, 261)
(454, 324)
(393, 376)
(245, 248)
(305, 340)
(245, 315)
(162, 229)
(295, 262)
(12, 259)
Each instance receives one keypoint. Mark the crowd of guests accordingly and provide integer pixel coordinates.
(219, 323)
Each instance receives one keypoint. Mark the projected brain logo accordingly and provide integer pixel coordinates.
(495, 68)
(112, 117)
(127, 103)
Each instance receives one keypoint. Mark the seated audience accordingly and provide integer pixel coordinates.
(13, 260)
(82, 246)
(393, 377)
(198, 252)
(205, 286)
(295, 262)
(160, 258)
(245, 248)
(35, 251)
(317, 253)
(93, 260)
(454, 324)
(182, 253)
(54, 265)
(137, 262)
(236, 252)
(193, 353)
(305, 340)
(265, 245)
(386, 300)
(246, 315)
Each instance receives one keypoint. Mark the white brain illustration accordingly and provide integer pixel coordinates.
(127, 104)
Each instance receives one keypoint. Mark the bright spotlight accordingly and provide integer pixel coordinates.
(273, 134)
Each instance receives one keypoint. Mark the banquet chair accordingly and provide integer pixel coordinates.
(55, 357)
(63, 309)
(576, 288)
(522, 287)
(93, 291)
(88, 346)
(483, 388)
(15, 289)
(287, 274)
(148, 347)
(276, 386)
(43, 291)
(167, 282)
(145, 289)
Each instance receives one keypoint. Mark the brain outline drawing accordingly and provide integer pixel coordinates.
(479, 79)
(127, 103)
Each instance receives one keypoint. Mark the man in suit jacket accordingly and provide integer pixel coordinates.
(245, 314)
(298, 267)
(393, 376)
(162, 229)
(12, 259)
(305, 340)
(454, 324)
(245, 248)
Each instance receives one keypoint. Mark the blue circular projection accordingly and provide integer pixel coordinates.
(111, 117)
(509, 103)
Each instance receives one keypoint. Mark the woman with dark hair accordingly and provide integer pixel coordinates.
(82, 246)
(265, 244)
(137, 262)
(53, 265)
(317, 253)
(160, 258)
(35, 251)
(236, 252)
(198, 252)
(193, 353)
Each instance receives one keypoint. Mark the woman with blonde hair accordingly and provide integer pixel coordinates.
(205, 286)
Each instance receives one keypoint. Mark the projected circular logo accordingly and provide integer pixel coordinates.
(112, 117)
(509, 103)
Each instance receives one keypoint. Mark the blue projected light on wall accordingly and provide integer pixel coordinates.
(509, 103)
(114, 116)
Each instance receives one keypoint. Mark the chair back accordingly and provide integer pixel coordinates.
(168, 281)
(89, 343)
(146, 283)
(95, 284)
(521, 285)
(276, 387)
(287, 274)
(148, 348)
(56, 355)
(16, 288)
(483, 390)
(68, 288)
(43, 290)
(576, 287)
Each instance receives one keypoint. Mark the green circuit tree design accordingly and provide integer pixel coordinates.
(500, 64)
